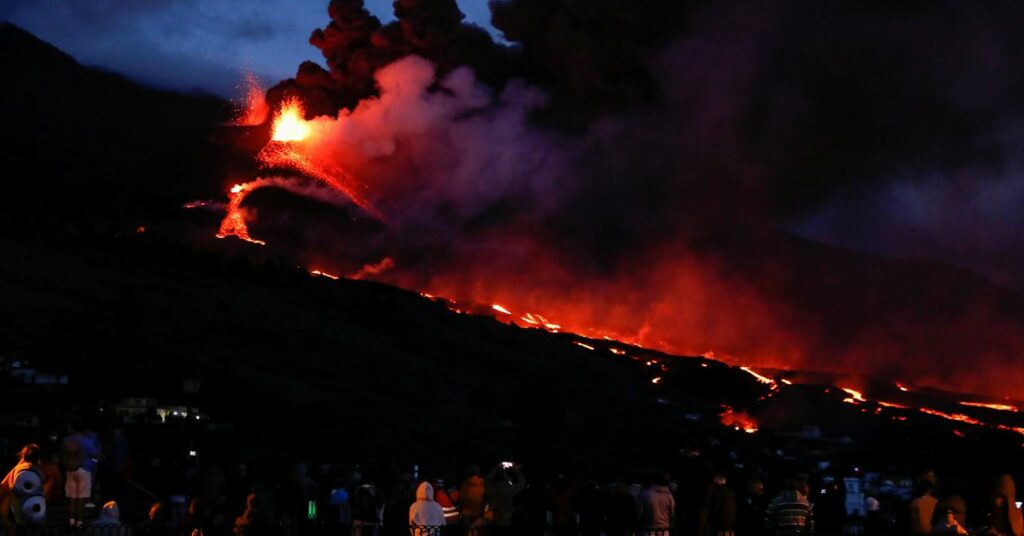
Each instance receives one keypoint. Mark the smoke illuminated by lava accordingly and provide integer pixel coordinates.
(656, 224)
(464, 176)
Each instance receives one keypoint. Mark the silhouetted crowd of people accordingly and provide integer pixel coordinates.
(79, 481)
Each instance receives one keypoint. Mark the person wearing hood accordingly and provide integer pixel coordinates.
(657, 508)
(790, 513)
(425, 514)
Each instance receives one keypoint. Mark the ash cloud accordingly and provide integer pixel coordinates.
(631, 167)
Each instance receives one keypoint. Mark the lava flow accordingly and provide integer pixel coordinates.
(233, 223)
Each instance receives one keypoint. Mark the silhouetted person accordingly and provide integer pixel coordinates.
(592, 503)
(722, 509)
(751, 509)
(830, 510)
(396, 511)
(997, 516)
(622, 511)
(501, 486)
(255, 518)
(425, 512)
(563, 504)
(366, 504)
(789, 514)
(657, 508)
(1006, 487)
(116, 465)
(954, 504)
(694, 475)
(922, 508)
(946, 522)
(471, 497)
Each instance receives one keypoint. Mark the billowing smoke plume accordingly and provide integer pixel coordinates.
(627, 168)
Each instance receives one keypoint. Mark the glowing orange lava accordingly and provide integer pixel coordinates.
(997, 407)
(738, 420)
(233, 223)
(290, 123)
(254, 106)
(283, 154)
(892, 405)
(856, 397)
(289, 129)
(500, 309)
(320, 273)
(763, 379)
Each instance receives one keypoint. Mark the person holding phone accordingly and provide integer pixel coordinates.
(503, 483)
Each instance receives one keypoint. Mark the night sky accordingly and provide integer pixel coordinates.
(190, 44)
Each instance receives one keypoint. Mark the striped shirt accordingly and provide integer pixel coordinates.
(789, 514)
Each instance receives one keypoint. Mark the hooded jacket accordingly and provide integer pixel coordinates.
(425, 512)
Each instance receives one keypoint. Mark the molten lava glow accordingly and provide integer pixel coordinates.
(500, 309)
(960, 417)
(319, 273)
(997, 407)
(254, 109)
(856, 396)
(233, 223)
(892, 405)
(290, 123)
(738, 420)
(283, 154)
(902, 387)
(583, 345)
(763, 379)
(656, 380)
(289, 129)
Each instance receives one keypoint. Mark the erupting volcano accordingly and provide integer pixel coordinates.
(656, 210)
(284, 152)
